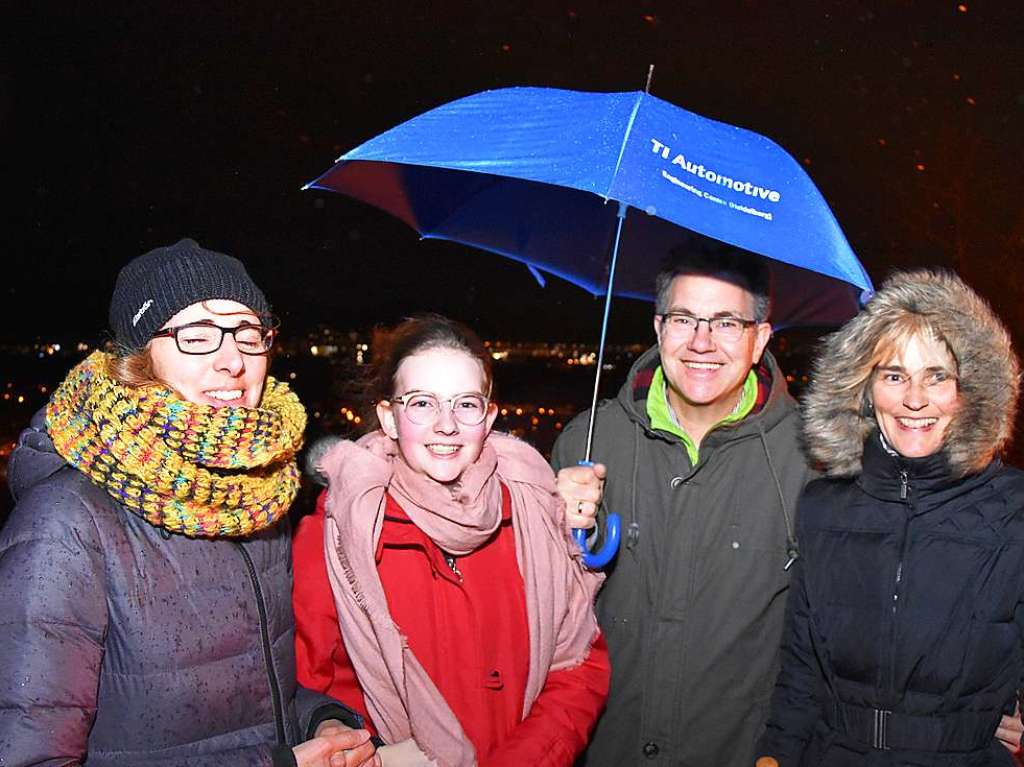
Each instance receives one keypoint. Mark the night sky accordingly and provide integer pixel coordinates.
(132, 127)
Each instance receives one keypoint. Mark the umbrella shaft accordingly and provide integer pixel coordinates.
(604, 329)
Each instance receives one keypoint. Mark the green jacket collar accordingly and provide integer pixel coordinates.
(662, 417)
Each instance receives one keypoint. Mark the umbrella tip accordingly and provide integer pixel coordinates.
(650, 74)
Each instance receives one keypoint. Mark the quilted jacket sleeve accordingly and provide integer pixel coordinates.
(53, 619)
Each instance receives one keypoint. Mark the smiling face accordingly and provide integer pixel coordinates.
(222, 378)
(915, 395)
(705, 374)
(441, 450)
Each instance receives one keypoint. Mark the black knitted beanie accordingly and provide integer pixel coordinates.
(157, 285)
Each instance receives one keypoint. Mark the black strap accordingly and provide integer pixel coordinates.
(886, 730)
(283, 756)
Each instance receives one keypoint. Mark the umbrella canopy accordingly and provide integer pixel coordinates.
(547, 177)
(534, 174)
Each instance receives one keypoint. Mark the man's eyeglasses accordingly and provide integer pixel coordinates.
(206, 338)
(424, 408)
(683, 325)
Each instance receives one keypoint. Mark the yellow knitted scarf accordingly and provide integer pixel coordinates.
(206, 472)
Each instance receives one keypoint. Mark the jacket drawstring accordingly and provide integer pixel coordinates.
(633, 531)
(792, 549)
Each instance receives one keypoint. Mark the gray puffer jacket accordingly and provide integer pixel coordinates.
(121, 644)
(693, 605)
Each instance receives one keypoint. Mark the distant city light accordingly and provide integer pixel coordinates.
(528, 414)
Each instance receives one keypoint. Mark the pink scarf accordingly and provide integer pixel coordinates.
(401, 698)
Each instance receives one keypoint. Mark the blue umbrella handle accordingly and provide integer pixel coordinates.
(598, 559)
(595, 560)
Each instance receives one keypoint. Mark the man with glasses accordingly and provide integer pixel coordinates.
(704, 468)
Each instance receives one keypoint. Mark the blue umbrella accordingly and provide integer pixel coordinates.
(552, 177)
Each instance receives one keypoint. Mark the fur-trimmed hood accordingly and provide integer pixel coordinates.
(837, 418)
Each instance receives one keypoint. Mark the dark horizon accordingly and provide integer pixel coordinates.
(134, 127)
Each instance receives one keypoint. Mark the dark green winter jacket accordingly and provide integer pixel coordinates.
(693, 606)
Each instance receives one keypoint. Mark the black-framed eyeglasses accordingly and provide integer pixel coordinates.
(682, 325)
(206, 338)
(424, 408)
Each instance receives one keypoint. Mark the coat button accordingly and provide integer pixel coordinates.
(651, 750)
(493, 680)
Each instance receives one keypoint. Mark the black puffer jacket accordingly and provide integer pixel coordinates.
(905, 621)
(124, 646)
(907, 598)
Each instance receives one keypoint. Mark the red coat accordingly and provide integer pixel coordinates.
(468, 630)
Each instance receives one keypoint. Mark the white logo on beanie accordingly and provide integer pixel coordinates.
(142, 310)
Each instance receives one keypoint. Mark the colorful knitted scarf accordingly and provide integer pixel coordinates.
(203, 471)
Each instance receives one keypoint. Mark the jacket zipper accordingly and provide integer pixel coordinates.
(904, 496)
(450, 559)
(261, 607)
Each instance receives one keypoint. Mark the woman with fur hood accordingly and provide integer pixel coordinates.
(905, 620)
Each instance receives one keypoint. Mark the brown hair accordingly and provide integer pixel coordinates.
(713, 259)
(134, 369)
(419, 334)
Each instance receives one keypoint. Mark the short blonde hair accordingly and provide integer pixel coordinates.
(897, 335)
(889, 343)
